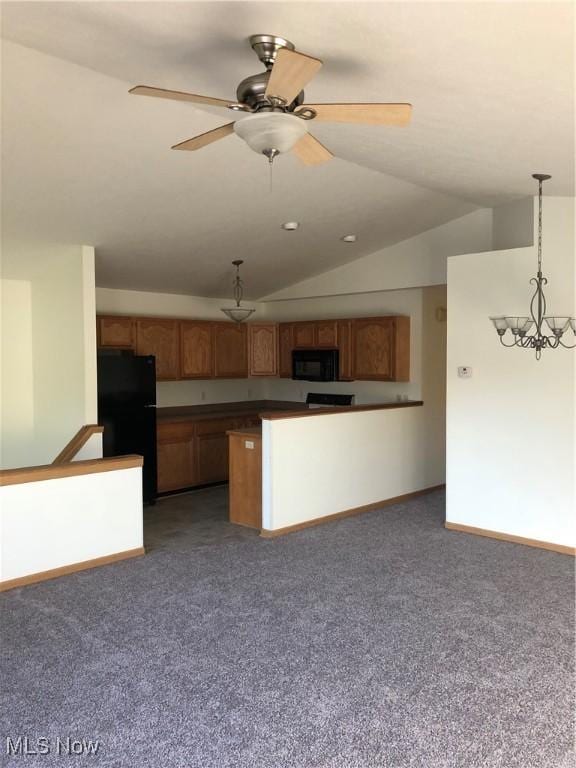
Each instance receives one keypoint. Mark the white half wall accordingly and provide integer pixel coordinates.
(53, 523)
(317, 466)
(511, 432)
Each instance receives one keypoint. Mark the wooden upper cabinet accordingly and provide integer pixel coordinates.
(381, 349)
(327, 333)
(285, 347)
(161, 338)
(230, 351)
(196, 350)
(115, 332)
(345, 346)
(263, 349)
(304, 335)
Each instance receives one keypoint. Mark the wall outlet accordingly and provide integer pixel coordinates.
(249, 444)
(464, 371)
(202, 395)
(249, 394)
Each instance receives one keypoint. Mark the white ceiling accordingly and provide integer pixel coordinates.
(492, 89)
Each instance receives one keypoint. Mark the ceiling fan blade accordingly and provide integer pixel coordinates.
(290, 73)
(206, 138)
(163, 93)
(310, 151)
(369, 114)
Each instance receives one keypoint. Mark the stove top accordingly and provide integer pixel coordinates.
(321, 400)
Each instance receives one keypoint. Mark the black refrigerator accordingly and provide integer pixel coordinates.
(127, 410)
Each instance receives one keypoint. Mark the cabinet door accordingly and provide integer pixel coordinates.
(176, 456)
(213, 458)
(305, 335)
(196, 350)
(230, 351)
(327, 333)
(345, 349)
(374, 348)
(263, 349)
(286, 345)
(160, 338)
(115, 332)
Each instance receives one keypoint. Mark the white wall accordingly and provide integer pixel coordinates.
(53, 523)
(48, 351)
(511, 427)
(513, 224)
(321, 465)
(17, 390)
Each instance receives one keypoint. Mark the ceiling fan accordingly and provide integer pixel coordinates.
(276, 117)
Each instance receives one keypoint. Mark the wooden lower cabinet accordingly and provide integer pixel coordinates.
(176, 448)
(246, 478)
(192, 453)
(212, 458)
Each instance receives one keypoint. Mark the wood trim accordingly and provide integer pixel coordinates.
(64, 570)
(271, 534)
(72, 469)
(78, 441)
(561, 548)
(272, 415)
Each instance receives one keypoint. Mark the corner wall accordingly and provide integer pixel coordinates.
(48, 352)
(511, 433)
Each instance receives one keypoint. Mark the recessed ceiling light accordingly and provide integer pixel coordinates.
(349, 238)
(290, 226)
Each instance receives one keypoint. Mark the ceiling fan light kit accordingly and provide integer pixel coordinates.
(270, 133)
(277, 117)
(520, 325)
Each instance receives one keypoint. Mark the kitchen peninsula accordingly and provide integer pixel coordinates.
(192, 446)
(308, 466)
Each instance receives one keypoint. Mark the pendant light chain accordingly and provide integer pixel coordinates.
(539, 227)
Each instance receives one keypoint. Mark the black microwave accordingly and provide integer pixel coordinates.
(315, 364)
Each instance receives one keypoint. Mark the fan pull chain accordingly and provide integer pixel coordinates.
(270, 165)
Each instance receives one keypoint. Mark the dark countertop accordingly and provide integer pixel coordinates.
(295, 414)
(222, 410)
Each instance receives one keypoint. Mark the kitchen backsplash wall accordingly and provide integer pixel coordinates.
(199, 392)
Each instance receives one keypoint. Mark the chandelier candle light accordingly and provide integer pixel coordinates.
(519, 326)
(238, 313)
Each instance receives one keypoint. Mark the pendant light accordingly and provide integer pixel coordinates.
(238, 313)
(519, 326)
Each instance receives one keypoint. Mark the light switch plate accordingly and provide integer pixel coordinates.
(464, 371)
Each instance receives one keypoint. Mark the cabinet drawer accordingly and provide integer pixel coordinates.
(215, 426)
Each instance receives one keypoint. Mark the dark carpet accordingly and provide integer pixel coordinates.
(380, 641)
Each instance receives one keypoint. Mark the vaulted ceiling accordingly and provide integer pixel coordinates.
(491, 85)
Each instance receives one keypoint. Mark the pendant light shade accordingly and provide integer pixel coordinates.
(238, 313)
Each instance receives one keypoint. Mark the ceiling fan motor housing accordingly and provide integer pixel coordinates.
(252, 91)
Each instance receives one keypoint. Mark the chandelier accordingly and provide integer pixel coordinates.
(542, 337)
(238, 313)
